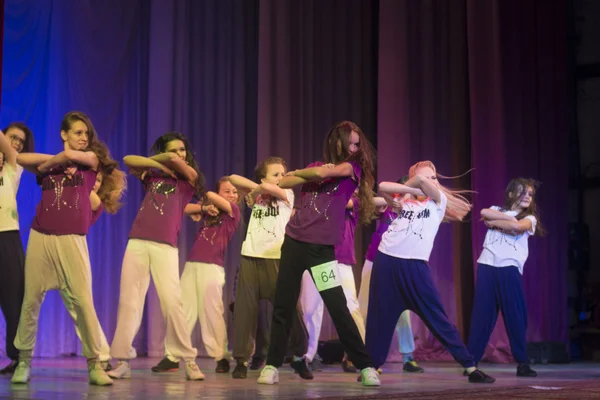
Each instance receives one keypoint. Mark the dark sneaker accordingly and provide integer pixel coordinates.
(525, 371)
(10, 368)
(302, 369)
(256, 363)
(240, 371)
(222, 366)
(412, 366)
(478, 376)
(165, 365)
(347, 366)
(316, 364)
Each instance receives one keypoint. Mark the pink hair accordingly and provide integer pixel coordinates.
(458, 206)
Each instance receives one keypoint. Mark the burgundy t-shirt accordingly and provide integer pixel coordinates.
(211, 241)
(320, 208)
(385, 220)
(161, 212)
(344, 251)
(65, 207)
(96, 214)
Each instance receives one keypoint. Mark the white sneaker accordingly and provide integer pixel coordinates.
(192, 372)
(370, 377)
(21, 374)
(97, 374)
(269, 375)
(121, 371)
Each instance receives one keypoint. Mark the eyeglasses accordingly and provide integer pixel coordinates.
(18, 140)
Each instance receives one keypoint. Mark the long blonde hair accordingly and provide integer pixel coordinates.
(458, 206)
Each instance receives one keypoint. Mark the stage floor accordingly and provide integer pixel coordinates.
(66, 378)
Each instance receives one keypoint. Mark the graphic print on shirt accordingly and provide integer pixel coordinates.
(155, 191)
(415, 219)
(57, 185)
(261, 214)
(500, 238)
(313, 190)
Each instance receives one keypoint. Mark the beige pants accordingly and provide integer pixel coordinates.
(312, 307)
(144, 258)
(63, 263)
(202, 289)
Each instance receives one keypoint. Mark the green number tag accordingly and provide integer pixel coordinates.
(326, 276)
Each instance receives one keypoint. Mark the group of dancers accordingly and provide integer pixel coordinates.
(299, 246)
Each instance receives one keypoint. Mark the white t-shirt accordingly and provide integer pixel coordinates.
(411, 235)
(266, 228)
(503, 250)
(9, 185)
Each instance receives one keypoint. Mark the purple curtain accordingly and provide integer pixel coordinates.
(471, 84)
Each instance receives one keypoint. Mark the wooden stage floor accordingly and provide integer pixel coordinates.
(66, 378)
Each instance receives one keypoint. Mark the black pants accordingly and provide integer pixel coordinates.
(12, 286)
(297, 257)
(256, 280)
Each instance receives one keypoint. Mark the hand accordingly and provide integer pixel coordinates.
(291, 173)
(489, 223)
(211, 210)
(43, 168)
(70, 171)
(250, 200)
(397, 202)
(330, 166)
(196, 217)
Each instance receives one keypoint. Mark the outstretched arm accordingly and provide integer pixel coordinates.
(511, 227)
(323, 172)
(488, 215)
(139, 163)
(31, 161)
(393, 188)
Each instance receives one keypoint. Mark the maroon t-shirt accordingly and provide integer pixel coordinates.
(161, 212)
(320, 208)
(385, 220)
(65, 207)
(211, 241)
(344, 251)
(96, 214)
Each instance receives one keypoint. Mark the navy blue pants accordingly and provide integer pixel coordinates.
(499, 289)
(398, 285)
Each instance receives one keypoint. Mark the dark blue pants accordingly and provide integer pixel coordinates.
(398, 285)
(499, 289)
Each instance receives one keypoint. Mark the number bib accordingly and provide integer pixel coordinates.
(326, 276)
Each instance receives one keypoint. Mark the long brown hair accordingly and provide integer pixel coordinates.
(111, 189)
(458, 206)
(514, 193)
(160, 146)
(335, 151)
(106, 164)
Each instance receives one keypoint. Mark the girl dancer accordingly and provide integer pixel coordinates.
(152, 250)
(499, 269)
(57, 254)
(203, 277)
(311, 235)
(406, 342)
(312, 304)
(17, 138)
(272, 208)
(401, 279)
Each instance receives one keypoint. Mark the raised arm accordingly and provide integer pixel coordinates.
(172, 161)
(138, 163)
(511, 227)
(87, 158)
(220, 203)
(488, 215)
(270, 189)
(31, 161)
(380, 201)
(393, 188)
(10, 154)
(290, 181)
(324, 172)
(427, 187)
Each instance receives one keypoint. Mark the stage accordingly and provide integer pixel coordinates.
(66, 378)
